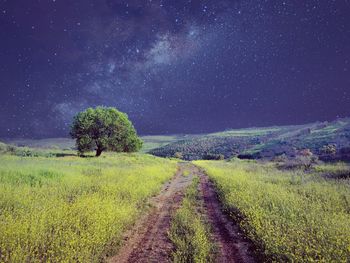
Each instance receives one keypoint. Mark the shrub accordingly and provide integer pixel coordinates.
(304, 160)
(178, 155)
(3, 147)
(213, 157)
(280, 158)
(334, 171)
(11, 149)
(329, 149)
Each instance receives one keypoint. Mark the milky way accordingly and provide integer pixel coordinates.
(173, 66)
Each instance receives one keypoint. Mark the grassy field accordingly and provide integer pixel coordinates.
(73, 209)
(189, 232)
(247, 132)
(49, 143)
(292, 216)
(149, 142)
(154, 141)
(262, 142)
(57, 207)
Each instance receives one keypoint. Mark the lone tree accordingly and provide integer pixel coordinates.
(104, 129)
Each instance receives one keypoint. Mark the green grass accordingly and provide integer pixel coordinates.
(73, 209)
(189, 231)
(50, 143)
(3, 147)
(150, 142)
(154, 141)
(186, 173)
(335, 171)
(291, 216)
(247, 132)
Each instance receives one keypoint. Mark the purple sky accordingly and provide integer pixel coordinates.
(173, 66)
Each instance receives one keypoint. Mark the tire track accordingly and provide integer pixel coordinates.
(232, 244)
(148, 241)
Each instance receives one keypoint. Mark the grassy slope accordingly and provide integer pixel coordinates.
(155, 141)
(263, 142)
(73, 209)
(50, 143)
(292, 216)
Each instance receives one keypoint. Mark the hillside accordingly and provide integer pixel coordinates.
(265, 142)
(250, 143)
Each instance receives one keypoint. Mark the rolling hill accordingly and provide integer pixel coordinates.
(249, 143)
(266, 142)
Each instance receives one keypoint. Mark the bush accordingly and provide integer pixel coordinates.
(25, 152)
(178, 155)
(213, 157)
(304, 160)
(334, 171)
(11, 149)
(329, 149)
(280, 158)
(3, 147)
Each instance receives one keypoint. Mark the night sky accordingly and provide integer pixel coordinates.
(173, 66)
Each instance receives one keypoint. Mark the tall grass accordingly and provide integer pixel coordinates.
(292, 216)
(73, 209)
(189, 232)
(339, 171)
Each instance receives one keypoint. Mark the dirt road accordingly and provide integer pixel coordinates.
(148, 241)
(232, 245)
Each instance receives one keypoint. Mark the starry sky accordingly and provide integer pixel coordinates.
(173, 66)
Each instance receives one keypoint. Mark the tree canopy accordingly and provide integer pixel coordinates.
(104, 129)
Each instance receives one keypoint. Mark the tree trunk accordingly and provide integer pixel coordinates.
(98, 152)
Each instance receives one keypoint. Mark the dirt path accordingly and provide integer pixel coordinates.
(232, 245)
(148, 241)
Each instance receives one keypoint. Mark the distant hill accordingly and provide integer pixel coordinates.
(264, 142)
(251, 143)
(151, 142)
